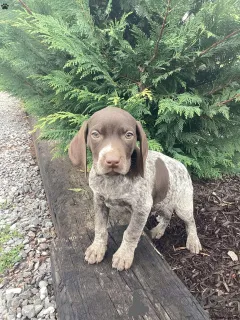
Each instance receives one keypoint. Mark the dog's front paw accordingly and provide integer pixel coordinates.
(122, 259)
(193, 243)
(95, 253)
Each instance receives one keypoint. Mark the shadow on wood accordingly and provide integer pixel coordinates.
(149, 290)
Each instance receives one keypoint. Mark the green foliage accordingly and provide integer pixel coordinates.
(61, 127)
(10, 257)
(174, 65)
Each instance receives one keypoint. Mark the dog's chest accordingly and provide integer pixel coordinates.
(118, 204)
(116, 196)
(117, 192)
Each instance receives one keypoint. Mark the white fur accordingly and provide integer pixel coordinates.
(99, 165)
(104, 151)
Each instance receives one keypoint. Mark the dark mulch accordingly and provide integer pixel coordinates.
(212, 277)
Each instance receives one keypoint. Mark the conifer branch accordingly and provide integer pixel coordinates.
(142, 69)
(138, 83)
(130, 79)
(219, 88)
(33, 88)
(25, 6)
(229, 100)
(161, 33)
(219, 42)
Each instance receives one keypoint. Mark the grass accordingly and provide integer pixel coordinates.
(5, 205)
(8, 259)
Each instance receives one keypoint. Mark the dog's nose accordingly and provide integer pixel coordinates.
(112, 161)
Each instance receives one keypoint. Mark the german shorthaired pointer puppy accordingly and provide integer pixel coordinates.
(124, 176)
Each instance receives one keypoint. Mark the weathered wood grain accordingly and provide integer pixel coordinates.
(149, 290)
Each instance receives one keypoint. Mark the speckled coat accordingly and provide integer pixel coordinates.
(138, 181)
(136, 196)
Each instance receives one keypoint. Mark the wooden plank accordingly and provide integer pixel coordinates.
(149, 290)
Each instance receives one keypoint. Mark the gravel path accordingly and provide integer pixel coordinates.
(25, 289)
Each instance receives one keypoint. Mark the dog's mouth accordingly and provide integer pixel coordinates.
(114, 170)
(112, 173)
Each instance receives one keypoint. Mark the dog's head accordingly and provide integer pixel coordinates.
(112, 135)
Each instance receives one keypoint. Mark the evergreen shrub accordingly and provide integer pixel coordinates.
(174, 65)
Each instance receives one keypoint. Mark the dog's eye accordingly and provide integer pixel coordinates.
(129, 135)
(95, 134)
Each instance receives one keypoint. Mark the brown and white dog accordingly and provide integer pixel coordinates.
(139, 181)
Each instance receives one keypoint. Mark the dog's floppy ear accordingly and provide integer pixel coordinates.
(78, 148)
(141, 159)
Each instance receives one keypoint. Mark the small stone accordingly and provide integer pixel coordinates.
(47, 303)
(26, 294)
(18, 242)
(37, 301)
(31, 234)
(38, 308)
(233, 255)
(3, 201)
(44, 312)
(36, 265)
(24, 303)
(34, 291)
(19, 310)
(43, 246)
(13, 227)
(28, 311)
(30, 265)
(50, 310)
(42, 240)
(43, 284)
(15, 303)
(27, 274)
(35, 222)
(23, 255)
(43, 268)
(31, 254)
(27, 246)
(25, 241)
(11, 292)
(48, 224)
(43, 293)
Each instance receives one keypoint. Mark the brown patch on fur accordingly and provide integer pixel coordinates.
(141, 136)
(135, 160)
(161, 183)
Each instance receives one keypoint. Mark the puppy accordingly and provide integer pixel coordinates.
(124, 176)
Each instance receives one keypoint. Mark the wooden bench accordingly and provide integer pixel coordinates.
(149, 290)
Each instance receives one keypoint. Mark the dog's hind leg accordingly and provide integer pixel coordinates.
(163, 220)
(193, 244)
